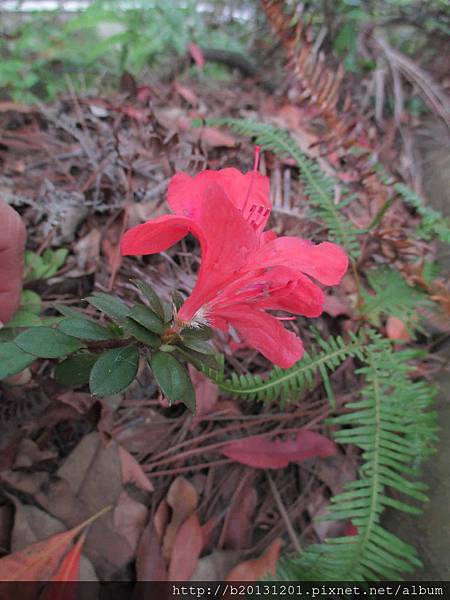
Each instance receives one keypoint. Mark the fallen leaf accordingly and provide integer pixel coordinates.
(197, 55)
(186, 550)
(335, 306)
(80, 401)
(130, 517)
(87, 251)
(206, 394)
(182, 498)
(30, 454)
(150, 564)
(132, 471)
(187, 93)
(396, 330)
(215, 138)
(39, 561)
(261, 452)
(257, 568)
(239, 521)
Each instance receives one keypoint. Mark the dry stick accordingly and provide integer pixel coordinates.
(283, 513)
(178, 470)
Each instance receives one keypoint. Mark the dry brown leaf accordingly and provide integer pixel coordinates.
(87, 251)
(130, 517)
(150, 564)
(187, 93)
(239, 522)
(257, 568)
(132, 471)
(186, 549)
(80, 401)
(30, 454)
(182, 498)
(215, 566)
(206, 394)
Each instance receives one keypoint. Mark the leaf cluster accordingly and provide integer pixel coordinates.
(107, 353)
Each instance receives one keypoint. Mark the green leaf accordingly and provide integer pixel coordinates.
(13, 359)
(199, 359)
(75, 370)
(173, 379)
(197, 333)
(114, 371)
(85, 329)
(31, 302)
(177, 300)
(110, 305)
(141, 333)
(147, 318)
(46, 342)
(198, 345)
(153, 299)
(24, 318)
(168, 311)
(68, 311)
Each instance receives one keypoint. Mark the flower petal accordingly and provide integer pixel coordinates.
(326, 262)
(158, 235)
(262, 332)
(249, 193)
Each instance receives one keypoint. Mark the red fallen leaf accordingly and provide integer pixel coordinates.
(150, 564)
(206, 393)
(144, 93)
(39, 561)
(257, 568)
(68, 572)
(134, 112)
(186, 549)
(197, 55)
(260, 452)
(334, 306)
(214, 138)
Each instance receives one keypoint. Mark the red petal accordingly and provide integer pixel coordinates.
(326, 262)
(243, 191)
(229, 241)
(157, 235)
(262, 332)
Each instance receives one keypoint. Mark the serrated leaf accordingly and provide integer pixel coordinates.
(45, 342)
(110, 305)
(173, 379)
(141, 333)
(85, 329)
(114, 371)
(147, 318)
(75, 370)
(153, 299)
(13, 359)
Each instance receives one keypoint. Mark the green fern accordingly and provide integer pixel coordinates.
(394, 430)
(392, 296)
(319, 187)
(433, 224)
(285, 384)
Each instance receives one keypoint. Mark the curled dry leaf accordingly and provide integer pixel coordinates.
(132, 471)
(257, 568)
(150, 564)
(263, 453)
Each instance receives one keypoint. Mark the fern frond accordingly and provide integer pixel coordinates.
(433, 224)
(392, 296)
(395, 431)
(284, 384)
(319, 187)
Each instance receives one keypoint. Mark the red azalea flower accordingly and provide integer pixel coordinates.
(245, 271)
